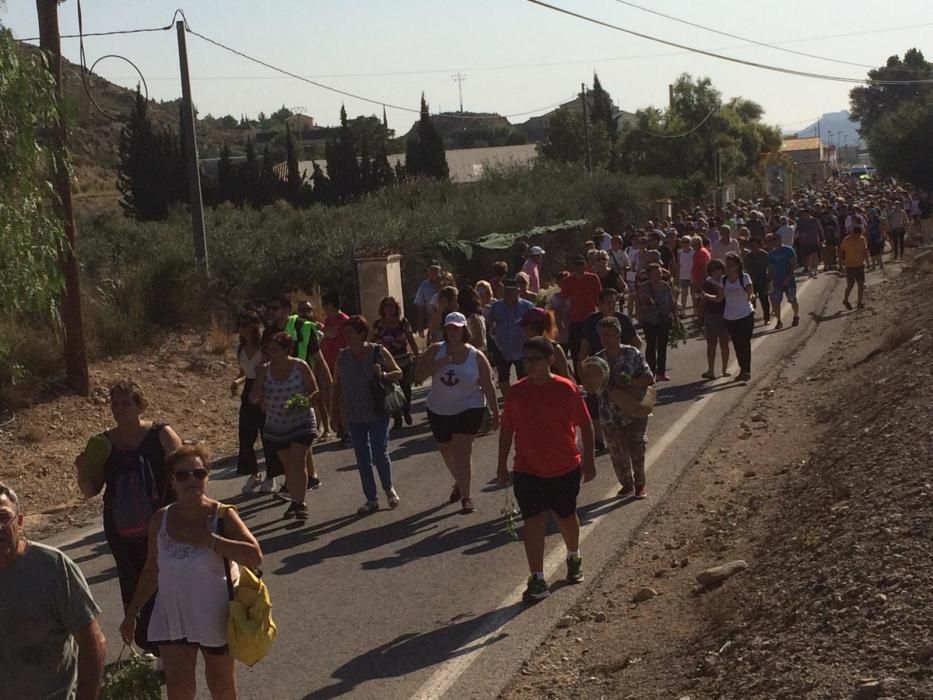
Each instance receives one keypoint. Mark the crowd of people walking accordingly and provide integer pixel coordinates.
(562, 363)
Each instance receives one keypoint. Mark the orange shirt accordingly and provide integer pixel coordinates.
(583, 293)
(544, 418)
(853, 251)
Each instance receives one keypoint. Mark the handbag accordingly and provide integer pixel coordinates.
(388, 397)
(250, 627)
(636, 401)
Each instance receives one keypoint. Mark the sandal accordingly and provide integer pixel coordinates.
(708, 375)
(466, 505)
(394, 500)
(367, 508)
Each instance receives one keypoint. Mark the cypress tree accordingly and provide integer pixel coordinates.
(266, 189)
(137, 152)
(602, 112)
(224, 175)
(294, 179)
(424, 150)
(249, 176)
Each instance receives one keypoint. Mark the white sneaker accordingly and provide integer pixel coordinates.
(269, 485)
(253, 482)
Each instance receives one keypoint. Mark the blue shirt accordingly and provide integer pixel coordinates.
(781, 261)
(508, 334)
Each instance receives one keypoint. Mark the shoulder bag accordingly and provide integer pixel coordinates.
(388, 397)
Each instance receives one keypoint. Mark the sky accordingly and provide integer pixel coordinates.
(517, 57)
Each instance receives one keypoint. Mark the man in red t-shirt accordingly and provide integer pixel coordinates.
(582, 288)
(542, 413)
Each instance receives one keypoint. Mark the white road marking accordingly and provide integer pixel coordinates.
(450, 671)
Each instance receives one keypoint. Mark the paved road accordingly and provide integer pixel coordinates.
(424, 602)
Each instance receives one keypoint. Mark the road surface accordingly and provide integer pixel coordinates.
(423, 602)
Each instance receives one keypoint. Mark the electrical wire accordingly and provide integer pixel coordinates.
(356, 96)
(674, 136)
(740, 38)
(731, 59)
(115, 32)
(84, 68)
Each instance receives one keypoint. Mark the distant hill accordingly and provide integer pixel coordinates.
(836, 123)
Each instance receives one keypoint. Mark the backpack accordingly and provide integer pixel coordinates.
(132, 488)
(135, 496)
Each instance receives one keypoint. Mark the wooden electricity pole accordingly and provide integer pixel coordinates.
(191, 154)
(72, 319)
(586, 128)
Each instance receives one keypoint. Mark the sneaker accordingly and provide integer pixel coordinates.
(454, 494)
(536, 590)
(283, 493)
(253, 482)
(397, 423)
(291, 511)
(394, 500)
(301, 512)
(367, 508)
(846, 304)
(796, 321)
(641, 494)
(743, 377)
(664, 377)
(726, 373)
(626, 492)
(314, 482)
(345, 439)
(268, 485)
(407, 418)
(575, 569)
(778, 326)
(466, 505)
(600, 446)
(708, 375)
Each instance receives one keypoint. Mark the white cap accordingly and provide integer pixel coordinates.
(536, 250)
(455, 318)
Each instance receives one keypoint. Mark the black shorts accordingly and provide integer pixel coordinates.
(279, 445)
(855, 274)
(536, 494)
(504, 367)
(807, 250)
(213, 651)
(466, 422)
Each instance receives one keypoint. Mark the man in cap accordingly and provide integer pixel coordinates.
(532, 268)
(505, 316)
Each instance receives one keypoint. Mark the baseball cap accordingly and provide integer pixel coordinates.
(455, 318)
(509, 283)
(533, 315)
(536, 250)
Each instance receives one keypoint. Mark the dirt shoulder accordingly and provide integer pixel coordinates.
(822, 484)
(186, 379)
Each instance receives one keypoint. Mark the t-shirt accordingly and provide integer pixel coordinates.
(334, 340)
(631, 363)
(591, 333)
(782, 264)
(713, 286)
(304, 333)
(394, 339)
(612, 280)
(787, 234)
(809, 232)
(853, 251)
(756, 264)
(544, 418)
(509, 336)
(737, 304)
(583, 292)
(719, 250)
(532, 269)
(44, 600)
(701, 257)
(685, 263)
(667, 258)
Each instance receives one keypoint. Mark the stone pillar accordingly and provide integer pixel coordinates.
(663, 209)
(379, 276)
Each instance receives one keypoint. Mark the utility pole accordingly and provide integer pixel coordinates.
(191, 151)
(586, 128)
(72, 319)
(459, 78)
(670, 97)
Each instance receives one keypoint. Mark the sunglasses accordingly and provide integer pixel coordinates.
(533, 358)
(6, 517)
(183, 474)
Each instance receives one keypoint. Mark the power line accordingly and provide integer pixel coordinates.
(740, 38)
(116, 32)
(353, 95)
(731, 59)
(545, 64)
(676, 136)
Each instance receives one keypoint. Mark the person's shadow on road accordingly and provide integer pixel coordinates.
(411, 652)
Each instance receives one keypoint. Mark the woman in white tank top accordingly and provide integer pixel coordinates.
(186, 563)
(461, 388)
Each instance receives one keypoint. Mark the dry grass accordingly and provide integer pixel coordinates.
(217, 340)
(897, 336)
(32, 434)
(719, 607)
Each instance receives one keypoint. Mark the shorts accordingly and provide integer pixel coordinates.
(504, 368)
(213, 651)
(855, 274)
(780, 290)
(536, 494)
(875, 248)
(807, 250)
(279, 445)
(466, 422)
(686, 285)
(714, 326)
